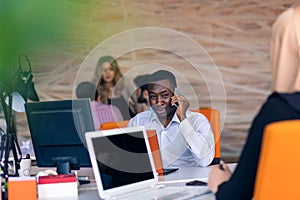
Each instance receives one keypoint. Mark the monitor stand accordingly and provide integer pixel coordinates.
(65, 165)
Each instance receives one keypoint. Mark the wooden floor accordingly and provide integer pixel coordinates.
(218, 49)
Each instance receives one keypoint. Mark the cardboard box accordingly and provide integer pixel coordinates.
(53, 186)
(22, 188)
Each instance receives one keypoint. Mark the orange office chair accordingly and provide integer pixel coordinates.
(278, 168)
(213, 116)
(111, 125)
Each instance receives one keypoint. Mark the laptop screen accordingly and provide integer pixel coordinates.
(122, 159)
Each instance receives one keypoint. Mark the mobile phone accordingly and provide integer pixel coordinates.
(176, 105)
(176, 91)
(196, 183)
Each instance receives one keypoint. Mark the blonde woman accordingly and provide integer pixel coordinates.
(113, 88)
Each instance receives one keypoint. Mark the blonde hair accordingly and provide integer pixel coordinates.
(285, 52)
(102, 89)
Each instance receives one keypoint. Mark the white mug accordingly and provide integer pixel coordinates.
(25, 166)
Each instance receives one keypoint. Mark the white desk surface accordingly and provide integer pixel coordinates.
(180, 177)
(92, 194)
(186, 174)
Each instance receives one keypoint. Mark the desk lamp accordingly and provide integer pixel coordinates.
(14, 92)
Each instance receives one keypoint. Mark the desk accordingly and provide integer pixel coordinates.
(92, 194)
(186, 174)
(180, 177)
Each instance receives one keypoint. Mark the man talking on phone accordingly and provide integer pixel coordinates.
(185, 138)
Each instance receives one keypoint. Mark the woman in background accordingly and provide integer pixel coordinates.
(113, 88)
(282, 104)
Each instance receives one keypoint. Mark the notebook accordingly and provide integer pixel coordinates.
(124, 169)
(153, 141)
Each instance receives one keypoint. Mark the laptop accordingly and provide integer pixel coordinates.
(153, 141)
(124, 169)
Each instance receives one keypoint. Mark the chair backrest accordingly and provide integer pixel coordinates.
(111, 125)
(278, 169)
(213, 116)
(86, 89)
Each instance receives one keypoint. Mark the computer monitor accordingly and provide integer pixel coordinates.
(57, 131)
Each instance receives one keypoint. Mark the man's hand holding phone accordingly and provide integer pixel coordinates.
(182, 104)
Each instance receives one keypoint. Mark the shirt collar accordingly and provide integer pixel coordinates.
(154, 117)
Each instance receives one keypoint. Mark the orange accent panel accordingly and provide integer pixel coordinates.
(22, 189)
(278, 169)
(111, 125)
(153, 141)
(213, 116)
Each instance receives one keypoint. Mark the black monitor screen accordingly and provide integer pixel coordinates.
(57, 131)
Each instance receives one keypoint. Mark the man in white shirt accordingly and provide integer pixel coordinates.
(185, 138)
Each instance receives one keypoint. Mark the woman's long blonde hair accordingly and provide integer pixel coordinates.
(102, 89)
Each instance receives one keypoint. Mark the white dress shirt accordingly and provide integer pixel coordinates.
(186, 143)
